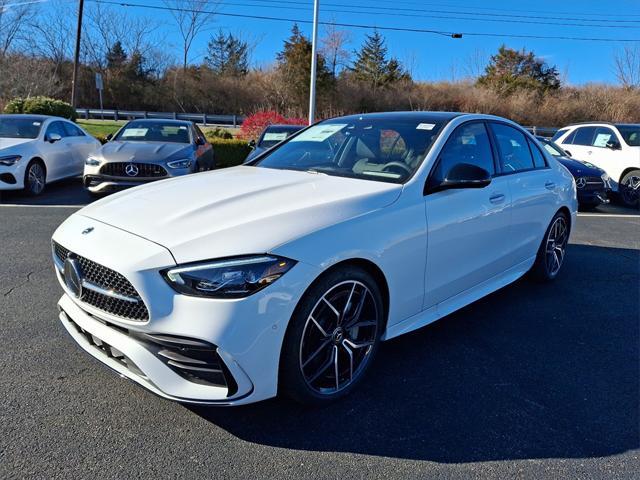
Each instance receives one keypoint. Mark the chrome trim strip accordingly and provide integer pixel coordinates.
(108, 293)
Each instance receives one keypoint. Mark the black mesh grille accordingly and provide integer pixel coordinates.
(594, 183)
(109, 280)
(146, 170)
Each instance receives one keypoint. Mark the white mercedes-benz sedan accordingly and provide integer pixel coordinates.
(37, 149)
(285, 274)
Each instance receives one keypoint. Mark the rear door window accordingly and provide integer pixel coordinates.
(559, 133)
(602, 136)
(584, 136)
(515, 155)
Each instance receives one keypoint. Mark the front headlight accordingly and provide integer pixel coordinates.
(184, 163)
(9, 160)
(92, 161)
(230, 278)
(606, 179)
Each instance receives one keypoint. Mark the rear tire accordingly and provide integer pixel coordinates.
(332, 337)
(552, 251)
(629, 189)
(35, 178)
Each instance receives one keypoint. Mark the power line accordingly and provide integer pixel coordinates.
(430, 16)
(368, 27)
(454, 12)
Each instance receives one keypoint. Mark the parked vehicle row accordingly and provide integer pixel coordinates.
(285, 274)
(615, 148)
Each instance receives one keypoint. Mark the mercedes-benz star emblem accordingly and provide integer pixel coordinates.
(581, 182)
(131, 170)
(73, 276)
(87, 231)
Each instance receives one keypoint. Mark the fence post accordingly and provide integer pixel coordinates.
(204, 118)
(86, 114)
(175, 116)
(115, 115)
(235, 121)
(146, 115)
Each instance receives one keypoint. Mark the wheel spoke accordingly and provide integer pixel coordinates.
(322, 346)
(323, 368)
(322, 331)
(335, 363)
(348, 304)
(358, 345)
(330, 305)
(350, 353)
(364, 323)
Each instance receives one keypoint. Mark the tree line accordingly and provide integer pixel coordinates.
(139, 74)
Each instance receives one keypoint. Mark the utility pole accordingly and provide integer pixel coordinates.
(314, 62)
(76, 57)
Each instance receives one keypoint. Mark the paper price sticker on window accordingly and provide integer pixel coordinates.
(274, 137)
(135, 132)
(426, 126)
(319, 133)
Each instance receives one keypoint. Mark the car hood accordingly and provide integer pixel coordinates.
(580, 169)
(238, 211)
(12, 142)
(142, 151)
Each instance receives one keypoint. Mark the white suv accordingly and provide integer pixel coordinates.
(613, 147)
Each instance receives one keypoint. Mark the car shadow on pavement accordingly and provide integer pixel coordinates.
(68, 192)
(532, 371)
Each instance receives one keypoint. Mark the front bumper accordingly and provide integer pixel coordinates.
(12, 178)
(97, 182)
(247, 334)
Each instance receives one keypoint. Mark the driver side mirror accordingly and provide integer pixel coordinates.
(109, 137)
(568, 153)
(463, 175)
(53, 137)
(200, 141)
(614, 145)
(252, 144)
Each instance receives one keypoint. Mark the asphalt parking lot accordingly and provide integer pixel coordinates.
(533, 381)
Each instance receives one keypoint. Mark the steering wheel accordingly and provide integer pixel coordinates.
(391, 166)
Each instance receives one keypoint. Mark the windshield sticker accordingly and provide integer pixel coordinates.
(426, 126)
(37, 124)
(135, 132)
(319, 133)
(272, 137)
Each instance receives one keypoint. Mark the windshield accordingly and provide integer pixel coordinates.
(19, 127)
(553, 149)
(371, 149)
(274, 135)
(140, 131)
(630, 134)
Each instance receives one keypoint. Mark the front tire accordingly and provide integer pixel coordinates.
(35, 178)
(630, 189)
(332, 337)
(552, 251)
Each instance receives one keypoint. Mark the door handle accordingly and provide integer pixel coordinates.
(496, 198)
(590, 152)
(549, 185)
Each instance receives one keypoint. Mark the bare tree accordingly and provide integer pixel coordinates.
(333, 48)
(191, 17)
(627, 66)
(14, 20)
(476, 63)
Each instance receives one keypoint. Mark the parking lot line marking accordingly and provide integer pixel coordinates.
(609, 215)
(17, 205)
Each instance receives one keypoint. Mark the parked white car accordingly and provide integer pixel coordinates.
(284, 275)
(36, 150)
(615, 148)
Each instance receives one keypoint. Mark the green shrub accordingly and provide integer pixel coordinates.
(229, 152)
(219, 133)
(41, 106)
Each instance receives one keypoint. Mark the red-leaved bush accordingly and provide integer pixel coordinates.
(254, 124)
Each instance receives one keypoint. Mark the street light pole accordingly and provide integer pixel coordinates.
(76, 57)
(314, 63)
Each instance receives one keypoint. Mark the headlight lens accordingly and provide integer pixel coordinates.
(231, 278)
(9, 160)
(184, 163)
(606, 179)
(92, 161)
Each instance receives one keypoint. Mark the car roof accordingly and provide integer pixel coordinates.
(418, 116)
(610, 124)
(169, 121)
(285, 127)
(30, 116)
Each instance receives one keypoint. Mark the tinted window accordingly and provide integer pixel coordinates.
(57, 127)
(359, 147)
(630, 134)
(603, 135)
(515, 155)
(584, 136)
(145, 131)
(19, 127)
(72, 130)
(559, 133)
(570, 138)
(469, 143)
(538, 157)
